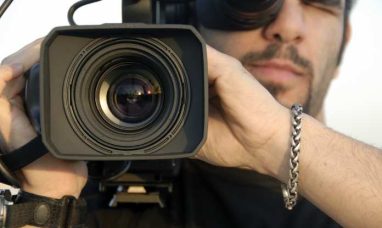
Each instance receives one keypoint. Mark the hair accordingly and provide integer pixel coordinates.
(349, 5)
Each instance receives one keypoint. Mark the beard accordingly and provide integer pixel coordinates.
(278, 90)
(305, 98)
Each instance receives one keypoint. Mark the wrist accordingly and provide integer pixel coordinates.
(275, 152)
(54, 178)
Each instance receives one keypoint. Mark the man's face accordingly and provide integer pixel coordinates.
(296, 56)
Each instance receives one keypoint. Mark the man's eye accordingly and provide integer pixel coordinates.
(330, 6)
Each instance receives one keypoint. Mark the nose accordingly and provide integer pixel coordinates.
(289, 25)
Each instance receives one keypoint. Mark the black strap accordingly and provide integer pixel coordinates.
(7, 176)
(20, 158)
(25, 155)
(35, 210)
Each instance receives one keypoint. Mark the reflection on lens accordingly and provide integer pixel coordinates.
(130, 95)
(133, 98)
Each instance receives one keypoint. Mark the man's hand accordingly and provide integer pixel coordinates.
(46, 176)
(245, 121)
(248, 128)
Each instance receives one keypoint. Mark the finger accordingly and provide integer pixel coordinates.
(230, 75)
(18, 102)
(9, 72)
(240, 94)
(26, 56)
(6, 120)
(211, 92)
(13, 88)
(219, 64)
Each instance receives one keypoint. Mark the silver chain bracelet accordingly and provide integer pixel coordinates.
(289, 190)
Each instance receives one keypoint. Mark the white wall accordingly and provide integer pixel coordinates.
(354, 104)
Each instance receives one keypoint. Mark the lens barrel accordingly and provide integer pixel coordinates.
(121, 92)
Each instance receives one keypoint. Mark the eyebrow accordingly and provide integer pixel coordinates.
(333, 3)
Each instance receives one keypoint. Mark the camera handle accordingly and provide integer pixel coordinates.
(147, 182)
(75, 7)
(158, 11)
(5, 6)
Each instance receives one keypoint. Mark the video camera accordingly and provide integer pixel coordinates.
(120, 92)
(114, 93)
(136, 90)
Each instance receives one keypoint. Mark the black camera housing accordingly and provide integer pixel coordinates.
(74, 61)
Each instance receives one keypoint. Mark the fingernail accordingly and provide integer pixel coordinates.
(17, 68)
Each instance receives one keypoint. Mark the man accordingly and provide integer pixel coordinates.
(294, 57)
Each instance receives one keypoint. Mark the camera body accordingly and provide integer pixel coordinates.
(122, 92)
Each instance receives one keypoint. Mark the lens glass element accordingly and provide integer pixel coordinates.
(133, 98)
(130, 95)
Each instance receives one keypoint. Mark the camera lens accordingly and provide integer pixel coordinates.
(126, 95)
(134, 98)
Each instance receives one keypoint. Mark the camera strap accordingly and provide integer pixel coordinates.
(21, 157)
(30, 209)
(25, 155)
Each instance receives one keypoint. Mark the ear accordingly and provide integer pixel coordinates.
(345, 41)
(348, 32)
(336, 73)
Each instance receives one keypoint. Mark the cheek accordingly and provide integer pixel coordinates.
(235, 44)
(325, 50)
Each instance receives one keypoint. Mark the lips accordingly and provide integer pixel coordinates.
(276, 71)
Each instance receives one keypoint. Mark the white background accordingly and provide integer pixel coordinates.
(354, 104)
